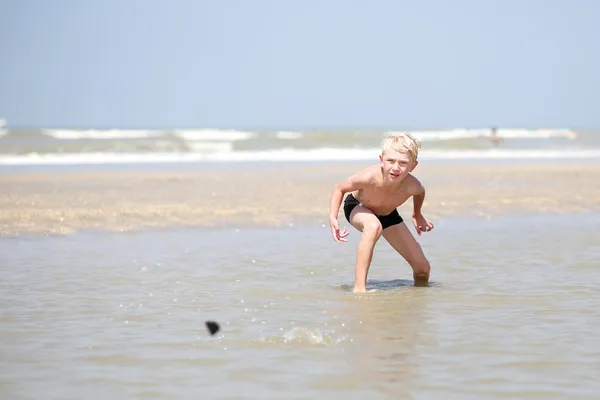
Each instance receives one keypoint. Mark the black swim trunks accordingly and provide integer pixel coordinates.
(392, 218)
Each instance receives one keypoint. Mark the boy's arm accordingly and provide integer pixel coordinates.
(418, 199)
(349, 185)
(421, 224)
(354, 182)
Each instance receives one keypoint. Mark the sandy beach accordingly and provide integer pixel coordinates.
(60, 202)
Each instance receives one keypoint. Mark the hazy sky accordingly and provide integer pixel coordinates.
(293, 64)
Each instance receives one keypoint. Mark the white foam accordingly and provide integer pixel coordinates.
(499, 154)
(536, 134)
(282, 155)
(449, 134)
(3, 132)
(100, 134)
(287, 135)
(99, 158)
(300, 335)
(325, 154)
(503, 133)
(210, 147)
(213, 134)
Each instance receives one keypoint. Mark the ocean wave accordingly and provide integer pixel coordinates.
(288, 135)
(236, 135)
(62, 134)
(210, 147)
(224, 141)
(536, 134)
(455, 134)
(285, 155)
(188, 135)
(213, 134)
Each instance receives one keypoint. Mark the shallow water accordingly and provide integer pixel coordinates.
(512, 312)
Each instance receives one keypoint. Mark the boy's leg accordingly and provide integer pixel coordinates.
(400, 238)
(366, 222)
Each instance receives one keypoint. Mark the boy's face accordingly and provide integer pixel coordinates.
(396, 165)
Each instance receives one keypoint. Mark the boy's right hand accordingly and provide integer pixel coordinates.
(338, 236)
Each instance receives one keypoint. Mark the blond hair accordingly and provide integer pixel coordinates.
(401, 142)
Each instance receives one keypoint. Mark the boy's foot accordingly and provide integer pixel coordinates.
(359, 290)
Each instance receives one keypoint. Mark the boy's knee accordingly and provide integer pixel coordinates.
(373, 229)
(421, 270)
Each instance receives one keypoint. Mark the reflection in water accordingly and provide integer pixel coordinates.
(391, 329)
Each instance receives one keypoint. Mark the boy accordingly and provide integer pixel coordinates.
(376, 192)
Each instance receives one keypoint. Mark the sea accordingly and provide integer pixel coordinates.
(123, 146)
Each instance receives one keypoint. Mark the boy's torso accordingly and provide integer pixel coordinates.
(381, 200)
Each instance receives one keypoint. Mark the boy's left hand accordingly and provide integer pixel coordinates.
(421, 224)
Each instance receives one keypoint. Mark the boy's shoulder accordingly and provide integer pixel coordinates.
(414, 184)
(368, 174)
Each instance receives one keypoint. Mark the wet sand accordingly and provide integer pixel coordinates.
(61, 202)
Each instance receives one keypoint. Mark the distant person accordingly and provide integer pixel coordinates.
(494, 137)
(375, 193)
